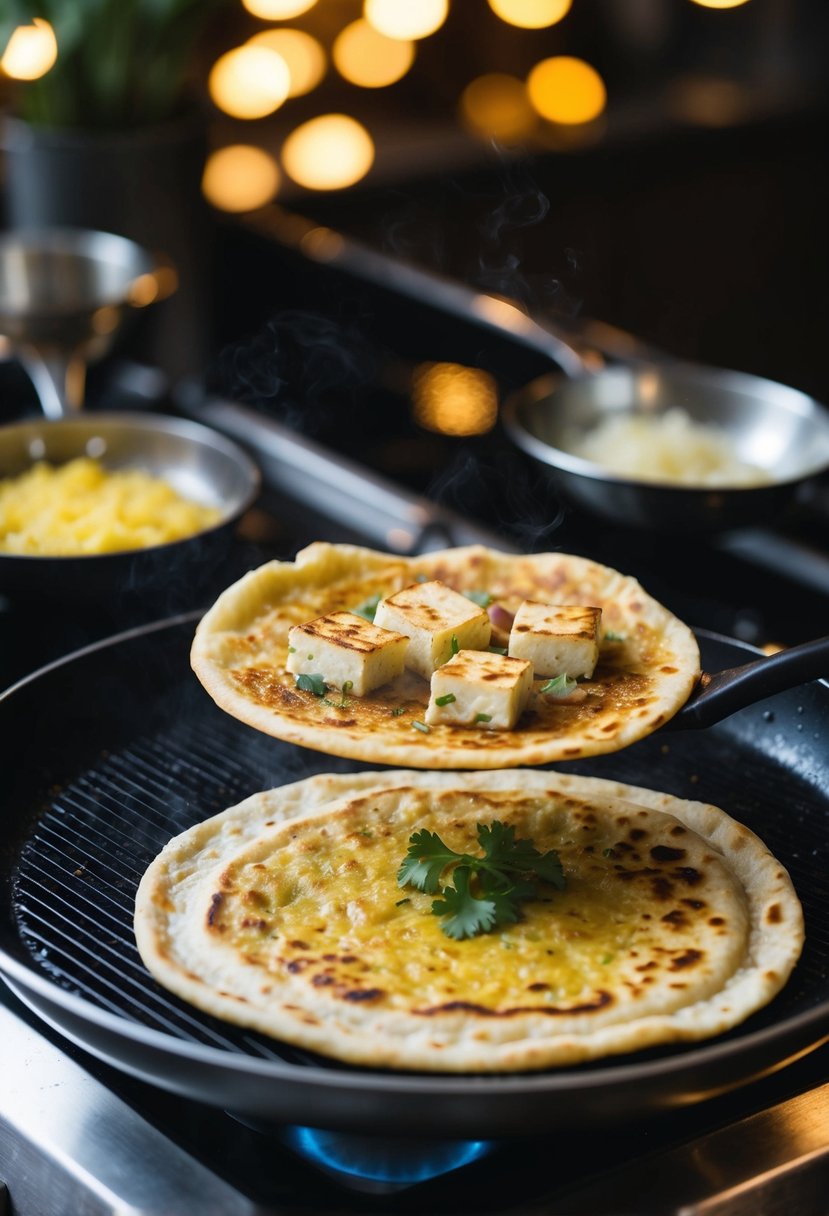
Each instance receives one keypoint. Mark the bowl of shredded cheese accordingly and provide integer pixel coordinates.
(672, 446)
(116, 503)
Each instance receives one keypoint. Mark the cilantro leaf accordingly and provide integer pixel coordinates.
(559, 686)
(314, 684)
(482, 598)
(482, 892)
(425, 861)
(368, 607)
(464, 915)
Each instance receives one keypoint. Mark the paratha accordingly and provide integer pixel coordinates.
(648, 662)
(284, 914)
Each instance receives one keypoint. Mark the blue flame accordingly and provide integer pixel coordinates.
(398, 1162)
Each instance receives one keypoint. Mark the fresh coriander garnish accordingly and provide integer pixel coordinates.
(559, 686)
(454, 644)
(314, 684)
(446, 699)
(421, 726)
(398, 710)
(368, 607)
(485, 892)
(482, 598)
(483, 717)
(614, 637)
(497, 649)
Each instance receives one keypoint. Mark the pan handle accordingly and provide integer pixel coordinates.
(719, 695)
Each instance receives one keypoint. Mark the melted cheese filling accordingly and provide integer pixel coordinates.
(650, 917)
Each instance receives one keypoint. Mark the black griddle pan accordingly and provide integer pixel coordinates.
(112, 751)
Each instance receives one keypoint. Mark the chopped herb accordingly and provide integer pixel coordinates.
(497, 649)
(454, 644)
(608, 958)
(483, 717)
(614, 637)
(314, 684)
(365, 832)
(292, 650)
(346, 689)
(368, 607)
(309, 656)
(398, 710)
(421, 726)
(482, 598)
(446, 699)
(559, 686)
(401, 902)
(486, 891)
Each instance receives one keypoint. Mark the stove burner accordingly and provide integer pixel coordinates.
(382, 1165)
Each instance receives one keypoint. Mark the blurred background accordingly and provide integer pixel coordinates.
(655, 164)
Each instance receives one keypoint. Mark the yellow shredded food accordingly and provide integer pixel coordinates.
(81, 508)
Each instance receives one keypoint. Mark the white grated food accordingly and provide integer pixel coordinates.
(667, 447)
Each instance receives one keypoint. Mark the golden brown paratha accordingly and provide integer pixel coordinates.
(284, 914)
(648, 662)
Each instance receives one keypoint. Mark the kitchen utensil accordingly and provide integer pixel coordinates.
(197, 461)
(64, 294)
(102, 781)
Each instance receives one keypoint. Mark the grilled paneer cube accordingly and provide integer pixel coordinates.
(437, 620)
(476, 688)
(344, 648)
(557, 640)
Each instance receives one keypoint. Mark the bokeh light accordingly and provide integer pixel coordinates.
(304, 56)
(566, 90)
(406, 18)
(453, 399)
(278, 10)
(368, 58)
(497, 106)
(531, 14)
(31, 51)
(249, 81)
(720, 3)
(240, 177)
(328, 153)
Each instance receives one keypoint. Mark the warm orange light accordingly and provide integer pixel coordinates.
(406, 18)
(454, 399)
(566, 90)
(240, 178)
(304, 56)
(531, 14)
(497, 106)
(31, 51)
(707, 101)
(368, 58)
(249, 81)
(328, 153)
(720, 3)
(278, 10)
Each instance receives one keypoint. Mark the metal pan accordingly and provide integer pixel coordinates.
(603, 370)
(197, 461)
(101, 782)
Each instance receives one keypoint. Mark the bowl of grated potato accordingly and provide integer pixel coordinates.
(671, 446)
(116, 504)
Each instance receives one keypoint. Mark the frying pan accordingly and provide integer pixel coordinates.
(602, 370)
(101, 782)
(195, 460)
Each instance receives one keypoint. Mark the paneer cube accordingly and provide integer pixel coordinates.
(344, 648)
(437, 620)
(558, 640)
(476, 688)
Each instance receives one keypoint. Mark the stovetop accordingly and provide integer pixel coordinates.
(340, 422)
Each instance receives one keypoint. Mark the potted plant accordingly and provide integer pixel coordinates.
(110, 137)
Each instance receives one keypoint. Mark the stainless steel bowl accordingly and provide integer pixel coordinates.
(198, 462)
(777, 428)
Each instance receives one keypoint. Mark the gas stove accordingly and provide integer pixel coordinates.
(344, 460)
